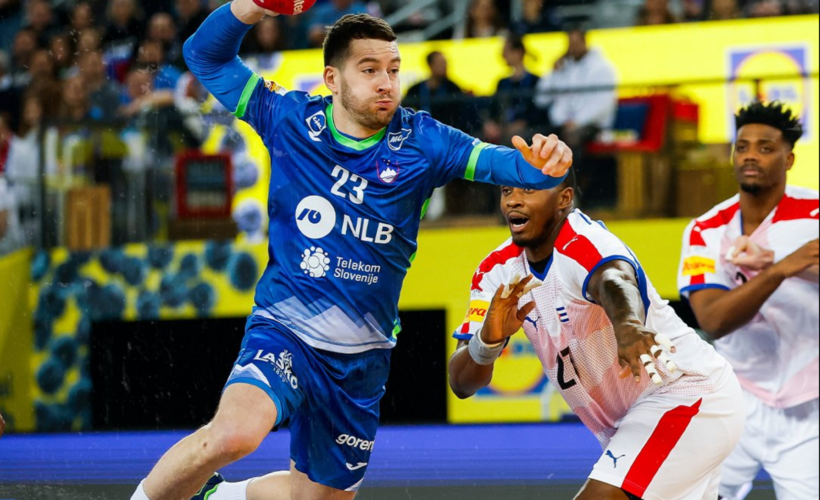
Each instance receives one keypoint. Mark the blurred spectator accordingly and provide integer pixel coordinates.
(82, 18)
(324, 15)
(262, 46)
(723, 10)
(580, 98)
(89, 41)
(62, 50)
(190, 15)
(25, 44)
(536, 18)
(9, 94)
(11, 18)
(151, 56)
(580, 93)
(766, 8)
(124, 28)
(655, 12)
(140, 95)
(161, 27)
(10, 238)
(103, 94)
(438, 95)
(75, 106)
(40, 19)
(43, 81)
(483, 20)
(513, 112)
(693, 10)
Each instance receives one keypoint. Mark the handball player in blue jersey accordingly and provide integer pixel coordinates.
(350, 178)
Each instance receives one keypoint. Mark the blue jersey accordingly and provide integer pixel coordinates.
(344, 213)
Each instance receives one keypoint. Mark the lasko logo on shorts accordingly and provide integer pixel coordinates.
(395, 140)
(316, 125)
(354, 442)
(283, 365)
(697, 266)
(315, 217)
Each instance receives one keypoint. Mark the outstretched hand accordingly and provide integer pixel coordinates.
(638, 347)
(548, 154)
(504, 318)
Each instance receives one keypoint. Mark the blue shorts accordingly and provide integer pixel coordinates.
(330, 400)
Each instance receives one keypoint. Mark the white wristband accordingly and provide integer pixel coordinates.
(484, 354)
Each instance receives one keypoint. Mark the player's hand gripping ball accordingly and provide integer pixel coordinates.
(286, 7)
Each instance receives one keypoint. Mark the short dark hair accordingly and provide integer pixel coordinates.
(570, 181)
(432, 56)
(353, 27)
(775, 114)
(516, 42)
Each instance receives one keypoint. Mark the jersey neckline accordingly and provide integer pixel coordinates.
(347, 141)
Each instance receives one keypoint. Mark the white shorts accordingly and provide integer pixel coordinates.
(670, 447)
(784, 442)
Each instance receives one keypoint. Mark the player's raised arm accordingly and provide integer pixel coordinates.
(541, 165)
(614, 286)
(211, 53)
(471, 366)
(720, 311)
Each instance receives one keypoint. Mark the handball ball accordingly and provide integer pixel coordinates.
(286, 7)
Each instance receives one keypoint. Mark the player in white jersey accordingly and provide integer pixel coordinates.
(597, 325)
(749, 270)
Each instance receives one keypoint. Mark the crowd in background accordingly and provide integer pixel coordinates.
(120, 61)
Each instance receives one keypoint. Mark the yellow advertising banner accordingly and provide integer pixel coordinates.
(15, 342)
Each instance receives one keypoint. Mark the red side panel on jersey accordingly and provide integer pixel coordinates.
(577, 247)
(496, 258)
(657, 449)
(796, 209)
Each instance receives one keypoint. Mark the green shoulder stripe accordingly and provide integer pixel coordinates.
(469, 174)
(246, 95)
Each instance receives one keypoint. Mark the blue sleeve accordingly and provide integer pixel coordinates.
(504, 166)
(456, 155)
(211, 54)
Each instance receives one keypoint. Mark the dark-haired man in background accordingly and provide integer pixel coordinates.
(351, 176)
(750, 271)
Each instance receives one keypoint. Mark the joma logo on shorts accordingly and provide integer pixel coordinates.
(354, 442)
(283, 366)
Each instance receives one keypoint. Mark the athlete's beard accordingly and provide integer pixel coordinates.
(360, 112)
(752, 189)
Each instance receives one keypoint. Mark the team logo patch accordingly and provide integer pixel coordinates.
(315, 262)
(478, 311)
(387, 170)
(395, 140)
(698, 266)
(316, 125)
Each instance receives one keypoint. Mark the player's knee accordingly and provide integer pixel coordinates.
(596, 490)
(232, 442)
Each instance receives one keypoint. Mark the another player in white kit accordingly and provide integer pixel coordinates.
(749, 269)
(594, 321)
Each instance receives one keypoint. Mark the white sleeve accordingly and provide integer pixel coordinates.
(700, 264)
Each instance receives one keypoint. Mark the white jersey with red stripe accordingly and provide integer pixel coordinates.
(573, 336)
(776, 356)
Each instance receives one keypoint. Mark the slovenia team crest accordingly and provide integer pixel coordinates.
(388, 170)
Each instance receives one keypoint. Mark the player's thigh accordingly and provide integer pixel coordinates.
(670, 447)
(794, 462)
(302, 488)
(244, 418)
